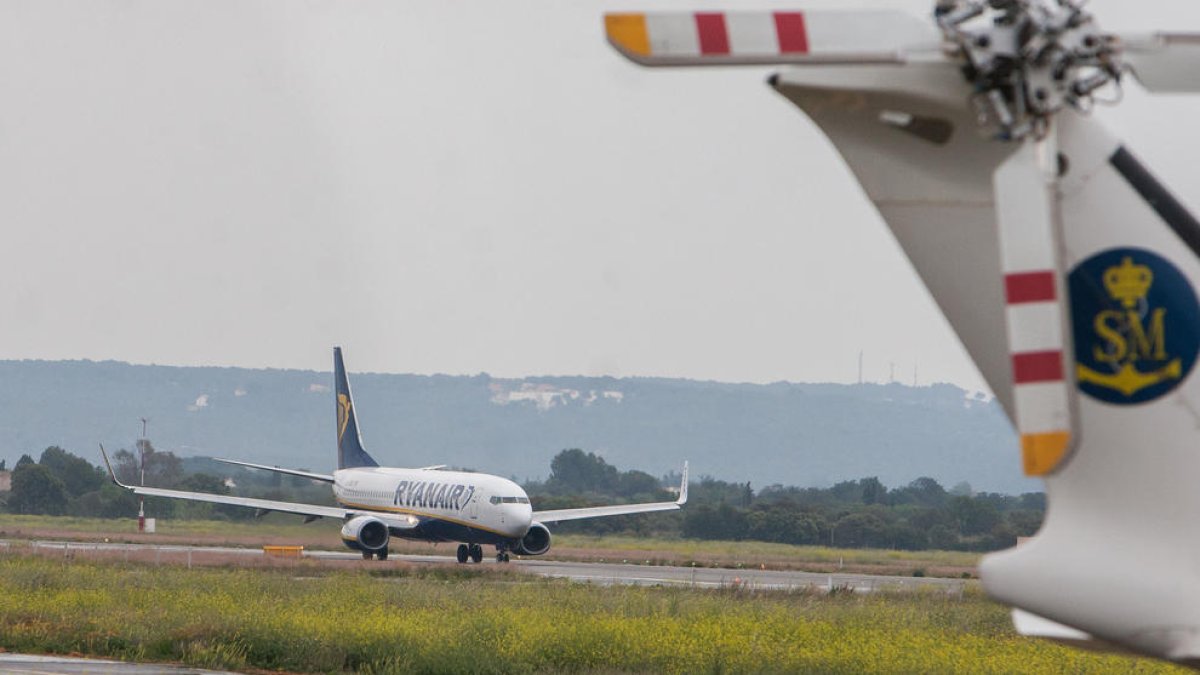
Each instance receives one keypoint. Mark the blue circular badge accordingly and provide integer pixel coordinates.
(1137, 326)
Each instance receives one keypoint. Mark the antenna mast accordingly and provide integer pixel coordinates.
(142, 481)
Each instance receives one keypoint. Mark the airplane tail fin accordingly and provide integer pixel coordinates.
(350, 451)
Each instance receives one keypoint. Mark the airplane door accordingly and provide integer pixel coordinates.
(473, 506)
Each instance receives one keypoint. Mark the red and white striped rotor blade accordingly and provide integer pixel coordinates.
(1165, 63)
(1029, 232)
(766, 37)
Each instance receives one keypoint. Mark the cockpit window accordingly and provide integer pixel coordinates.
(510, 500)
(494, 499)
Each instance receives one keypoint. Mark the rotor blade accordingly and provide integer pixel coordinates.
(764, 38)
(1029, 232)
(1165, 63)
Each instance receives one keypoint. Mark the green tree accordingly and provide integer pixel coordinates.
(163, 469)
(873, 491)
(574, 470)
(962, 489)
(637, 483)
(974, 517)
(35, 490)
(76, 473)
(859, 530)
(926, 492)
(109, 501)
(705, 521)
(25, 460)
(1025, 523)
(784, 523)
(206, 482)
(942, 538)
(2, 464)
(847, 491)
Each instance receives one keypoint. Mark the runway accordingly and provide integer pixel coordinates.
(584, 572)
(24, 664)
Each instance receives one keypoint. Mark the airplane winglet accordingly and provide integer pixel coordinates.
(111, 474)
(683, 484)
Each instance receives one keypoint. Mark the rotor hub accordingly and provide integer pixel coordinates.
(1028, 59)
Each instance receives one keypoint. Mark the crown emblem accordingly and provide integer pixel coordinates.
(1127, 282)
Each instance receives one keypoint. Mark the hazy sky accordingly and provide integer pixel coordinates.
(450, 186)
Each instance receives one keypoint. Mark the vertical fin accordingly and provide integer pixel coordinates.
(350, 451)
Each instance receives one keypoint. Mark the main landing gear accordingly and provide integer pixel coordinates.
(382, 555)
(472, 551)
(501, 556)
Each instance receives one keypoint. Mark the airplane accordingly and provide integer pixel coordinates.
(426, 504)
(1066, 268)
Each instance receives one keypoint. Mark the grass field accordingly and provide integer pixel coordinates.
(450, 619)
(280, 529)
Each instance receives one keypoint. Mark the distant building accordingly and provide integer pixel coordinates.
(5, 481)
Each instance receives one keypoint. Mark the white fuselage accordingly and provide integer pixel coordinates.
(475, 500)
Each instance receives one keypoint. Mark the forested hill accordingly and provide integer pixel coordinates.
(794, 434)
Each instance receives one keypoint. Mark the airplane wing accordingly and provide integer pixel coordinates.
(560, 515)
(291, 472)
(309, 510)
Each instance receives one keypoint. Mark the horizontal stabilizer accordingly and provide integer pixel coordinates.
(764, 38)
(1165, 63)
(324, 477)
(1032, 625)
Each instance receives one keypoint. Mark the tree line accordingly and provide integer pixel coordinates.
(860, 513)
(61, 483)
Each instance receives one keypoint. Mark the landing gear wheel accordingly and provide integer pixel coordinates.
(463, 553)
(502, 557)
(367, 555)
(382, 555)
(476, 553)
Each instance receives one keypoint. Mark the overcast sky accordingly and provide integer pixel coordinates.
(451, 186)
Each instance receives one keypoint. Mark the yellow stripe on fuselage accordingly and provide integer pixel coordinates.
(410, 512)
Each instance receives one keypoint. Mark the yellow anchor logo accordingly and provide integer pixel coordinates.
(1129, 335)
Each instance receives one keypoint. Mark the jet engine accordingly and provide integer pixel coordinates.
(364, 533)
(535, 542)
